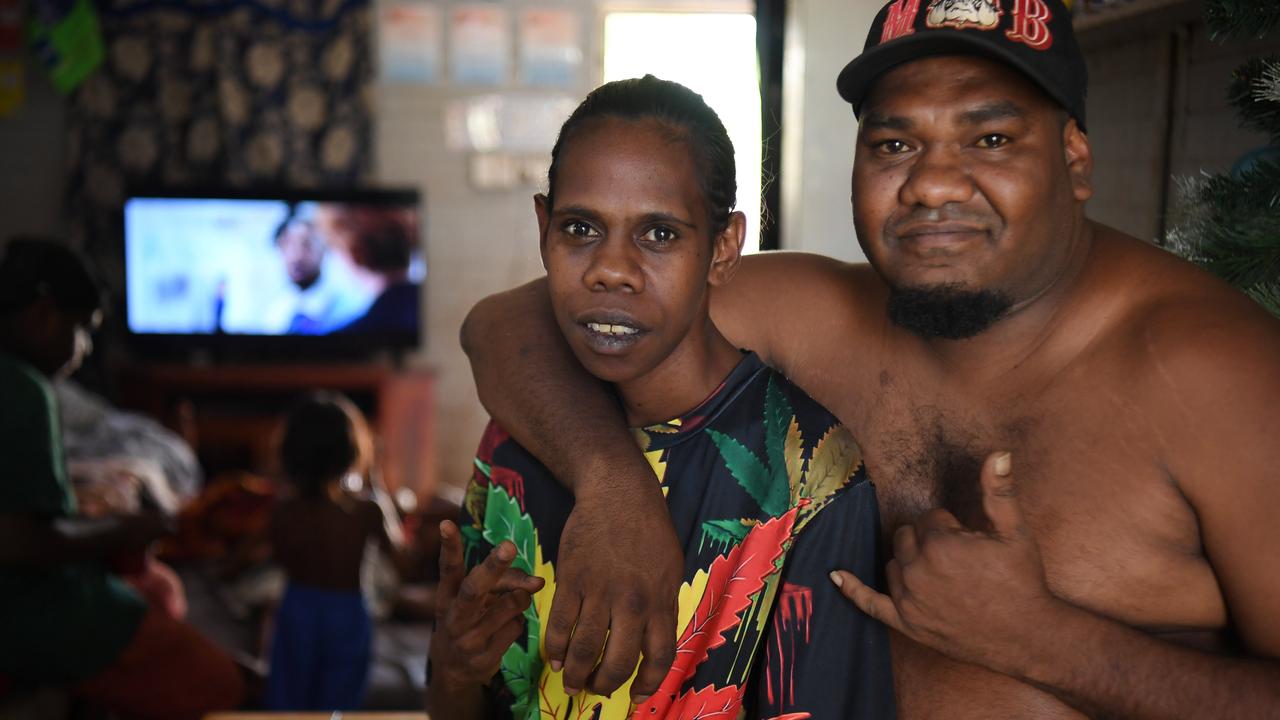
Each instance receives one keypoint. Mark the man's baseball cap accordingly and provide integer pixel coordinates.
(1033, 36)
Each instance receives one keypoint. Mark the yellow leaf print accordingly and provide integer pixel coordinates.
(793, 451)
(835, 458)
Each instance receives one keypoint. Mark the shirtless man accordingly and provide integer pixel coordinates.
(1123, 562)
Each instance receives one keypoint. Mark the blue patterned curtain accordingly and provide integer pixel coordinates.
(265, 93)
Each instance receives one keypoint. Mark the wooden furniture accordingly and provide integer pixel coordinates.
(230, 413)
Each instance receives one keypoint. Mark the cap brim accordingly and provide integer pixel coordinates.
(858, 77)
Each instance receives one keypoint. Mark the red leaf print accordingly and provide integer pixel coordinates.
(493, 436)
(509, 480)
(709, 702)
(731, 581)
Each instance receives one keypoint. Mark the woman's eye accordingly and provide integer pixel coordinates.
(992, 141)
(660, 234)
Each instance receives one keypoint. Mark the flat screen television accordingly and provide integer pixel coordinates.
(274, 274)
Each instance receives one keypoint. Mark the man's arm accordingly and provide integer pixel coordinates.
(620, 564)
(27, 540)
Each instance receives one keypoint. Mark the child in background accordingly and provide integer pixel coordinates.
(323, 634)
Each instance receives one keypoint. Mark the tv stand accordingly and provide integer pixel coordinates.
(230, 413)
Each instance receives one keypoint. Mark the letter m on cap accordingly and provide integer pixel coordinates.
(899, 19)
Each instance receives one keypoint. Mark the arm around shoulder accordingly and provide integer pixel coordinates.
(531, 384)
(759, 308)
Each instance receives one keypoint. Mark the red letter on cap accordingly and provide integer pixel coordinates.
(898, 22)
(1031, 24)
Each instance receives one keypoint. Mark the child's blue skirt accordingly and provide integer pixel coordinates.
(320, 651)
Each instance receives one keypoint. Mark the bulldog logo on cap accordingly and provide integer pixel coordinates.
(962, 14)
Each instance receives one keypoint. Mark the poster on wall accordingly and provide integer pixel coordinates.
(410, 36)
(508, 122)
(480, 45)
(550, 47)
(67, 39)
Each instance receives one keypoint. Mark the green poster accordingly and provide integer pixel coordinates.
(68, 40)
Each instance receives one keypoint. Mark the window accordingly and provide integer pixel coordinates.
(713, 54)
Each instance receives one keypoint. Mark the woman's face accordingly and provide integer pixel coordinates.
(628, 247)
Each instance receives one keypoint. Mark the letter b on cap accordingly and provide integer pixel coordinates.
(1030, 24)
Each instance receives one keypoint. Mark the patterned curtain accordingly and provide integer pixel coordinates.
(218, 93)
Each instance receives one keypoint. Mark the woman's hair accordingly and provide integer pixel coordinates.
(324, 438)
(685, 114)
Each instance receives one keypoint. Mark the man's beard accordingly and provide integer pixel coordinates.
(947, 311)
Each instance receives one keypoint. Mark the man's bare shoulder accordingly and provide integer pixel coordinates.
(799, 311)
(812, 277)
(792, 291)
(1180, 312)
(1195, 344)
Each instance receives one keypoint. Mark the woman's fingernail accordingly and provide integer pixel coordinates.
(837, 579)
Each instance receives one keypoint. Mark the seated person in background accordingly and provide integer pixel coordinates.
(764, 487)
(65, 618)
(378, 244)
(100, 438)
(323, 635)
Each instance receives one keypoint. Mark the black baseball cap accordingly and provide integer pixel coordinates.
(1033, 36)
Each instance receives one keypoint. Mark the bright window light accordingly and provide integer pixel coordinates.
(713, 54)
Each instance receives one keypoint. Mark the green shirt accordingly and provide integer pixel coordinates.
(61, 622)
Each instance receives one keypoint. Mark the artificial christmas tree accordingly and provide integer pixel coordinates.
(1230, 224)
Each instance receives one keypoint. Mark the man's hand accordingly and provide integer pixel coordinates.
(617, 577)
(478, 616)
(971, 595)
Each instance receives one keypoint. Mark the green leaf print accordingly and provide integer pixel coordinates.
(504, 521)
(752, 474)
(521, 664)
(472, 545)
(778, 416)
(724, 533)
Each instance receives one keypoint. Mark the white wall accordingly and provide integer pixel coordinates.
(818, 126)
(477, 243)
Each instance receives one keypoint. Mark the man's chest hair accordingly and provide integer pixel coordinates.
(925, 456)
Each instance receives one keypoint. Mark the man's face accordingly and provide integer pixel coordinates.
(303, 250)
(966, 179)
(627, 247)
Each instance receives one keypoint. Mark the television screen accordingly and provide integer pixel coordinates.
(221, 264)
